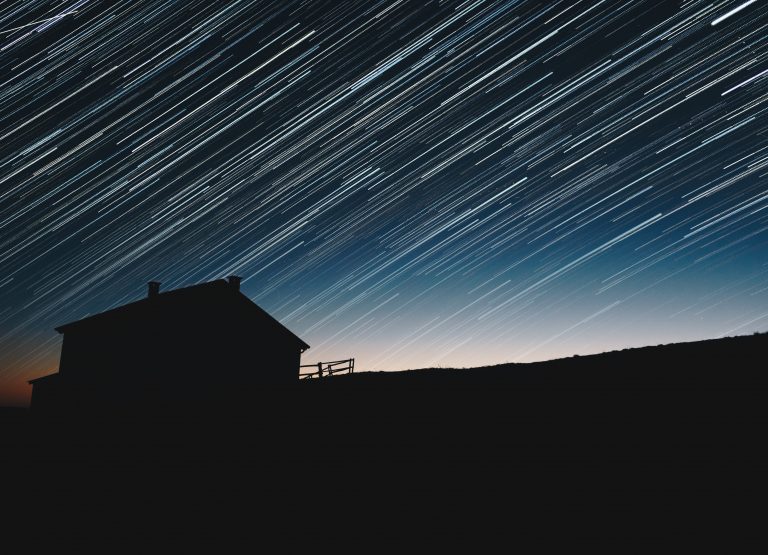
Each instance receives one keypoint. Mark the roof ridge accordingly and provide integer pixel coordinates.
(140, 301)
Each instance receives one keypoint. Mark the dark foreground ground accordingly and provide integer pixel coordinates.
(648, 449)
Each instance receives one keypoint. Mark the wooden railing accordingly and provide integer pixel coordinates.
(322, 369)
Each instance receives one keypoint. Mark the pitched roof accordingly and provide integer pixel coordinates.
(177, 298)
(52, 378)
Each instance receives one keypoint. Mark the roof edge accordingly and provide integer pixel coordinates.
(303, 344)
(46, 377)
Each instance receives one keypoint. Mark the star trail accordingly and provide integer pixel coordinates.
(409, 183)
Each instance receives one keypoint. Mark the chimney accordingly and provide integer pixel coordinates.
(154, 289)
(234, 282)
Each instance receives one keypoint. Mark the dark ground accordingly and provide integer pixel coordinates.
(647, 448)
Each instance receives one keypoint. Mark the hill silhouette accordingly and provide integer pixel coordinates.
(724, 362)
(641, 445)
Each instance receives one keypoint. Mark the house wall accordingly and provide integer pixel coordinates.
(188, 350)
(45, 398)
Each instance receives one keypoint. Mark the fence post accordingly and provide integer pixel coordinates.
(319, 369)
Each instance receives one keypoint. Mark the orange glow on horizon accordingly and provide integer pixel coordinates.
(15, 393)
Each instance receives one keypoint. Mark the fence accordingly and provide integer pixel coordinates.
(322, 369)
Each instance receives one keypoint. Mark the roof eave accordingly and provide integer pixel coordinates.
(41, 378)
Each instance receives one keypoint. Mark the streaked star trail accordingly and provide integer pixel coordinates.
(410, 183)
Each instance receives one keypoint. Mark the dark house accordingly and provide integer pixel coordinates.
(193, 345)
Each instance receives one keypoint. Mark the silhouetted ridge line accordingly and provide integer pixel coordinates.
(726, 362)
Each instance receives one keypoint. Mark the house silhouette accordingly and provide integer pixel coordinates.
(196, 345)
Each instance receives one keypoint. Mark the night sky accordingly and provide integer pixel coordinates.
(409, 183)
